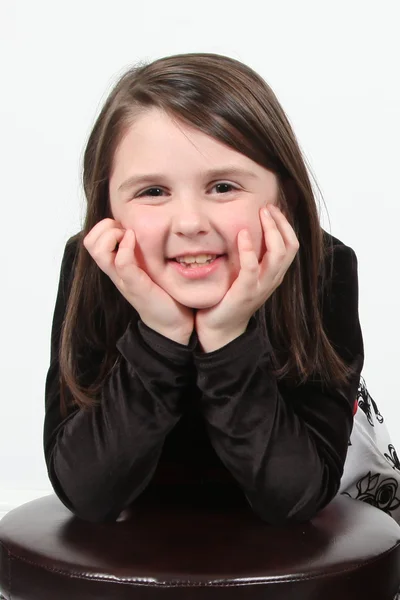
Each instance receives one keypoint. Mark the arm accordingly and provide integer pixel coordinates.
(99, 461)
(286, 448)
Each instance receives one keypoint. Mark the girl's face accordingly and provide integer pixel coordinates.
(165, 186)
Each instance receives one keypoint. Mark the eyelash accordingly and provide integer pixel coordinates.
(145, 192)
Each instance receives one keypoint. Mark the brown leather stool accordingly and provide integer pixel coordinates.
(173, 552)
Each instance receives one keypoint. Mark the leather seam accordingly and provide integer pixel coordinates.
(186, 583)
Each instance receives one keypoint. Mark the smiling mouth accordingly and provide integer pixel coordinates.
(194, 263)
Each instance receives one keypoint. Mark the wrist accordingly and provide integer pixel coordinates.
(183, 339)
(176, 336)
(180, 337)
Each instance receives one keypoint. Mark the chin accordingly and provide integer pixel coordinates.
(202, 305)
(198, 304)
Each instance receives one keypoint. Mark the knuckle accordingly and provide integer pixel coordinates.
(97, 255)
(295, 245)
(106, 221)
(253, 266)
(281, 256)
(120, 261)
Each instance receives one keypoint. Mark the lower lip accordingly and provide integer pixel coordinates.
(198, 272)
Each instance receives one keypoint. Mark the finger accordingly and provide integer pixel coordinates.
(125, 256)
(98, 230)
(128, 273)
(272, 235)
(103, 249)
(286, 230)
(126, 249)
(249, 267)
(283, 244)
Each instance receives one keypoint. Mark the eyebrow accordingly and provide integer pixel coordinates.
(220, 172)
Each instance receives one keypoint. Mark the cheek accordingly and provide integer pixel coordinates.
(245, 216)
(256, 235)
(149, 231)
(259, 243)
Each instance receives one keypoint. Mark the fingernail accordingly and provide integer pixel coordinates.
(266, 212)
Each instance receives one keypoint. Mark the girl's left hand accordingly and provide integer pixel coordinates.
(222, 323)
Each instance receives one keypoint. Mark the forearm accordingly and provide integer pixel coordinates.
(286, 472)
(101, 460)
(287, 453)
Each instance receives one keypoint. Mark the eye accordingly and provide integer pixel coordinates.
(149, 192)
(156, 192)
(223, 187)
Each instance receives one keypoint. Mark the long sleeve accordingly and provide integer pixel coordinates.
(99, 461)
(285, 447)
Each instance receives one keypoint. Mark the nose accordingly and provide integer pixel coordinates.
(190, 217)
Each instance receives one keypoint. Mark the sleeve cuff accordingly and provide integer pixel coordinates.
(166, 346)
(251, 346)
(161, 346)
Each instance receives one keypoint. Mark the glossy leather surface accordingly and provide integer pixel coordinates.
(174, 551)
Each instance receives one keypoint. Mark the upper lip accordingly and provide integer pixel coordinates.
(196, 253)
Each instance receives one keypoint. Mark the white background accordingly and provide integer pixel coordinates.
(335, 69)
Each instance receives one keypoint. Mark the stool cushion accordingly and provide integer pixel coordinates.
(172, 552)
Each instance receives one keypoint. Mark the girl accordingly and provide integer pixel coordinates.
(206, 340)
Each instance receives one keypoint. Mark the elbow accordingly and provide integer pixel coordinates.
(289, 504)
(91, 507)
(287, 512)
(91, 511)
(91, 501)
(84, 506)
(75, 498)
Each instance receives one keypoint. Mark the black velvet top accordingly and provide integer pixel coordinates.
(173, 419)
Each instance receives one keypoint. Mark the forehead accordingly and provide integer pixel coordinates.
(156, 138)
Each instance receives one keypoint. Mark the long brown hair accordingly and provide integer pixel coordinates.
(231, 103)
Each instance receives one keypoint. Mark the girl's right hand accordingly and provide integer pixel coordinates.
(157, 309)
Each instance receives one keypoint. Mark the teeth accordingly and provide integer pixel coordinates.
(200, 259)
